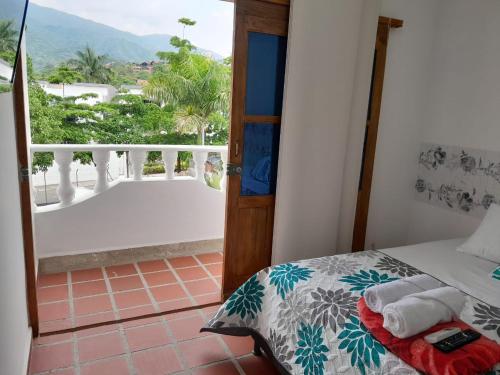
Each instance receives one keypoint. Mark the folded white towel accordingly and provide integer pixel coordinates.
(378, 296)
(420, 311)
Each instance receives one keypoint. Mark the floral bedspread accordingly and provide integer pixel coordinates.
(306, 313)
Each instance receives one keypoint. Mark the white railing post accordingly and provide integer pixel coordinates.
(65, 190)
(169, 160)
(138, 157)
(101, 160)
(200, 157)
(223, 180)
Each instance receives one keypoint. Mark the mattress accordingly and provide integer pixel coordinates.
(469, 273)
(304, 315)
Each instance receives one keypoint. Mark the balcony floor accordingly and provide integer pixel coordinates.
(78, 298)
(161, 345)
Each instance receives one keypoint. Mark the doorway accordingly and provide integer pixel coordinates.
(119, 291)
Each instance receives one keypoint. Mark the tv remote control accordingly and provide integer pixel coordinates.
(457, 341)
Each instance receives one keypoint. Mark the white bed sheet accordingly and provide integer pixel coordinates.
(466, 272)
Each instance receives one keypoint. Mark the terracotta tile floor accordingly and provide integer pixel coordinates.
(154, 346)
(77, 298)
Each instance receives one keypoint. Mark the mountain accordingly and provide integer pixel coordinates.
(53, 36)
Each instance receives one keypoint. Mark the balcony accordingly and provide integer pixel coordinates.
(156, 238)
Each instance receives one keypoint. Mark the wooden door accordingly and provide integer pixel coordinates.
(371, 132)
(259, 57)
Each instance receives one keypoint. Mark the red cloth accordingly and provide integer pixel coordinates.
(474, 358)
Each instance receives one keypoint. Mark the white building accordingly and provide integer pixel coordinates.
(5, 70)
(105, 93)
(131, 89)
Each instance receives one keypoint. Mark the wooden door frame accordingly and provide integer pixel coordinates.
(371, 131)
(23, 163)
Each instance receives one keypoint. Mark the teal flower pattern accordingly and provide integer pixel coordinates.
(363, 280)
(310, 350)
(247, 300)
(362, 346)
(496, 273)
(285, 276)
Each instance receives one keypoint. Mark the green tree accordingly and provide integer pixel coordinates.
(184, 21)
(195, 85)
(91, 66)
(8, 36)
(64, 75)
(8, 41)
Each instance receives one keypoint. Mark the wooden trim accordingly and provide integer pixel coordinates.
(257, 201)
(279, 2)
(371, 132)
(124, 320)
(264, 9)
(261, 25)
(276, 120)
(23, 158)
(392, 22)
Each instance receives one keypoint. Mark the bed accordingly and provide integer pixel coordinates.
(304, 316)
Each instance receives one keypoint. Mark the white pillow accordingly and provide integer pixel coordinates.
(485, 241)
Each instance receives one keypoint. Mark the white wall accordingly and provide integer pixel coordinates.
(15, 335)
(406, 88)
(132, 214)
(463, 101)
(357, 124)
(321, 68)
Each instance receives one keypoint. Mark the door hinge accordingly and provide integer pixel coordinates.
(24, 174)
(233, 169)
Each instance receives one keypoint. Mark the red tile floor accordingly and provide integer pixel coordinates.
(155, 346)
(76, 298)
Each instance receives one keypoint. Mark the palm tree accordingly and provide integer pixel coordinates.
(92, 66)
(8, 36)
(196, 85)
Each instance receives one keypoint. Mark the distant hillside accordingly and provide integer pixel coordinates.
(54, 36)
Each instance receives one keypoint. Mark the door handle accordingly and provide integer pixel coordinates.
(233, 169)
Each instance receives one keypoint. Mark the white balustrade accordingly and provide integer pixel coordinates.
(65, 190)
(63, 155)
(101, 160)
(169, 160)
(200, 157)
(138, 158)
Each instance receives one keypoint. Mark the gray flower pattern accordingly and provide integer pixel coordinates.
(365, 254)
(334, 265)
(281, 351)
(488, 317)
(292, 312)
(332, 307)
(390, 264)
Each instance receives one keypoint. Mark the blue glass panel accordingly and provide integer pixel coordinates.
(260, 159)
(265, 74)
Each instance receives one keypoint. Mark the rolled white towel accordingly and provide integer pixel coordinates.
(378, 296)
(420, 311)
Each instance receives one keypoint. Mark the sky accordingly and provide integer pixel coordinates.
(213, 31)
